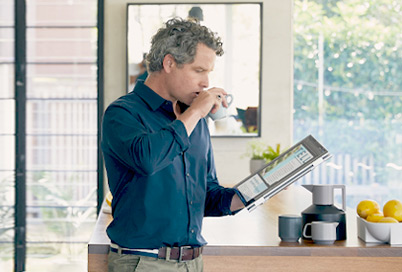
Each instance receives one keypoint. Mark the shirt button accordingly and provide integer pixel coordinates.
(191, 202)
(188, 174)
(192, 231)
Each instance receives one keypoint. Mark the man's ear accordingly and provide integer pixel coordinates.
(168, 63)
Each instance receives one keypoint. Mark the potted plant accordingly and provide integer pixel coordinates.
(261, 154)
(270, 153)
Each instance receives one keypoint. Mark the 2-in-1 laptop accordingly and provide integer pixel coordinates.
(291, 165)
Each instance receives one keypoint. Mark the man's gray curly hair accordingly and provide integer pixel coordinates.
(180, 38)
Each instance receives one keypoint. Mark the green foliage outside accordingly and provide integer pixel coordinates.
(362, 52)
(62, 214)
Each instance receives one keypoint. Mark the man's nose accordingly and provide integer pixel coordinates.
(205, 82)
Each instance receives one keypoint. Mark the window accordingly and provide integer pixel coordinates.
(348, 93)
(59, 51)
(7, 135)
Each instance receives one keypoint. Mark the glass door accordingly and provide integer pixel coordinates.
(49, 108)
(7, 135)
(61, 132)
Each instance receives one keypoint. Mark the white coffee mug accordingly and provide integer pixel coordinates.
(322, 232)
(222, 112)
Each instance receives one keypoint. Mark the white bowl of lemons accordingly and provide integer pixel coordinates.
(376, 226)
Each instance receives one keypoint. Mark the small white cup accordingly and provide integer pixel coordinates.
(222, 112)
(322, 232)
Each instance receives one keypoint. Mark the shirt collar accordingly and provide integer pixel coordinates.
(153, 99)
(149, 96)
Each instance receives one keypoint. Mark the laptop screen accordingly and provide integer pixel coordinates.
(282, 171)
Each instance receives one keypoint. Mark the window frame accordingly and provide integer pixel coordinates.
(20, 90)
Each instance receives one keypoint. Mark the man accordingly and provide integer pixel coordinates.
(159, 159)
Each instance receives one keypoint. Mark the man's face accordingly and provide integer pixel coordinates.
(188, 80)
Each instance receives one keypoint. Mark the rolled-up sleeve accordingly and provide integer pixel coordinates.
(219, 200)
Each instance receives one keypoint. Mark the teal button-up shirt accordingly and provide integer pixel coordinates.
(162, 181)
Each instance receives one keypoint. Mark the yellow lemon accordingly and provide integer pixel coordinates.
(388, 220)
(375, 217)
(367, 207)
(393, 208)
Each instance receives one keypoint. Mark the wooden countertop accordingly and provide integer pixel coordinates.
(256, 233)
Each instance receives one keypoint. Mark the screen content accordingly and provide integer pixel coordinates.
(252, 187)
(274, 172)
(286, 164)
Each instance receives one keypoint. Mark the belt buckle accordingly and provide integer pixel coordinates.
(181, 253)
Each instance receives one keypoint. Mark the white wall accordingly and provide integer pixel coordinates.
(277, 80)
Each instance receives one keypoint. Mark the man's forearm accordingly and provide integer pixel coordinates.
(190, 119)
(237, 204)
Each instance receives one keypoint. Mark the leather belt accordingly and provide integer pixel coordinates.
(184, 253)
